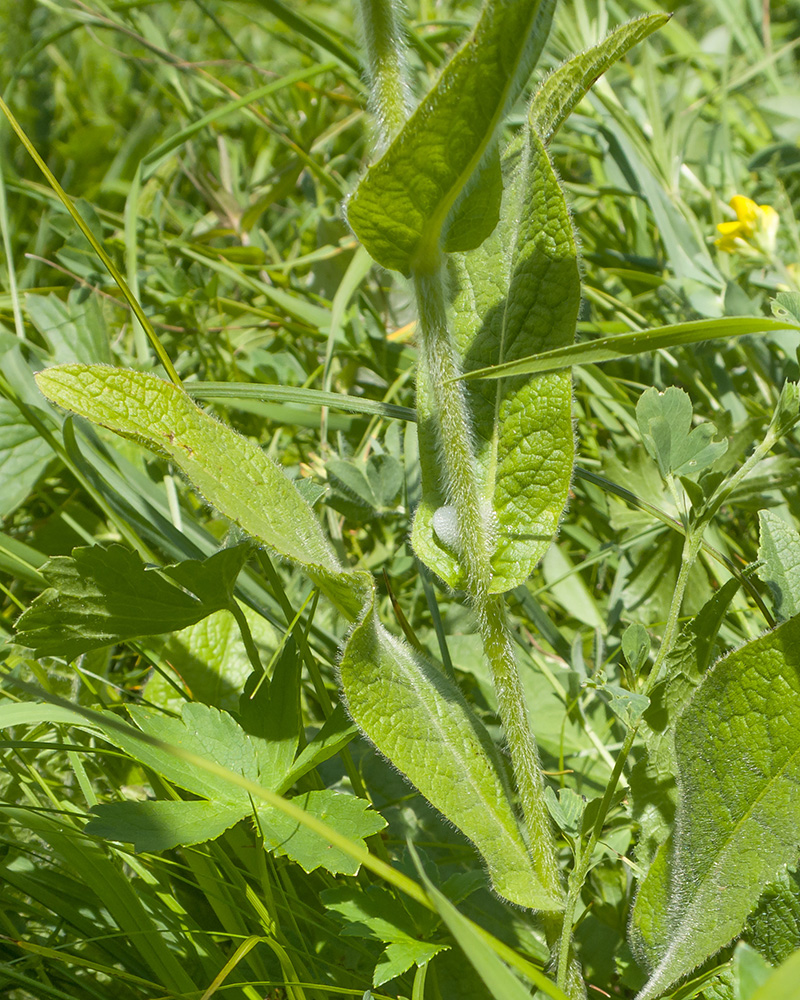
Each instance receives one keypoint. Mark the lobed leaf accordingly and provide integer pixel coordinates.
(519, 291)
(737, 747)
(408, 200)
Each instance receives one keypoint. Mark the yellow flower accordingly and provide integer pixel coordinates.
(755, 229)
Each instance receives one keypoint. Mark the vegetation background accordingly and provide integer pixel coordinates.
(210, 146)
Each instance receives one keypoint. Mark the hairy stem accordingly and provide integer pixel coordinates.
(440, 366)
(386, 66)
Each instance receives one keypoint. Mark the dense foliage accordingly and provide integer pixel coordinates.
(209, 149)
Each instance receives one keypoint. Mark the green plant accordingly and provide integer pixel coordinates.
(486, 238)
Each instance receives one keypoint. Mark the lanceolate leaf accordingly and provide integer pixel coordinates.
(737, 747)
(421, 722)
(232, 472)
(404, 204)
(570, 82)
(519, 292)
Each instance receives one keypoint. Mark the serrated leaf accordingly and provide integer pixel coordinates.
(737, 746)
(571, 81)
(231, 472)
(377, 913)
(99, 596)
(665, 420)
(348, 815)
(160, 826)
(420, 721)
(779, 555)
(201, 730)
(518, 292)
(404, 203)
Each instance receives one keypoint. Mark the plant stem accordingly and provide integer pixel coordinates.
(386, 66)
(440, 368)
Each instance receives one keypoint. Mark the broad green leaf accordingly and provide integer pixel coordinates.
(782, 984)
(737, 747)
(665, 423)
(779, 555)
(519, 291)
(349, 816)
(625, 345)
(160, 826)
(101, 596)
(649, 929)
(570, 82)
(231, 472)
(786, 306)
(23, 457)
(75, 329)
(404, 204)
(420, 721)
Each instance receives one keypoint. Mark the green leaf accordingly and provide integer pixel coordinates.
(519, 291)
(335, 734)
(779, 555)
(269, 711)
(782, 984)
(665, 420)
(160, 826)
(774, 927)
(349, 816)
(420, 721)
(636, 646)
(626, 345)
(23, 457)
(75, 329)
(206, 662)
(404, 204)
(101, 596)
(786, 306)
(500, 981)
(737, 746)
(376, 913)
(750, 971)
(570, 82)
(201, 730)
(231, 472)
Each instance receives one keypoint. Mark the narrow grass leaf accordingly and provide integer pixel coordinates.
(782, 984)
(737, 747)
(404, 203)
(626, 345)
(499, 980)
